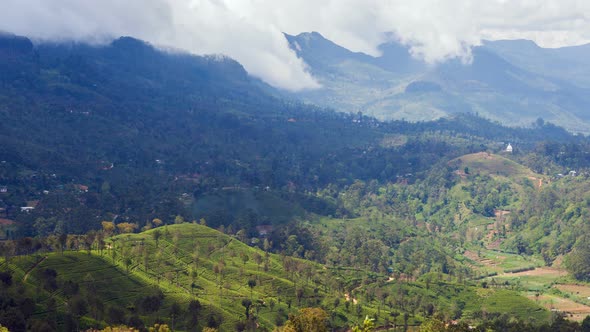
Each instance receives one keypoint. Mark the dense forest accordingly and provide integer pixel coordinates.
(113, 155)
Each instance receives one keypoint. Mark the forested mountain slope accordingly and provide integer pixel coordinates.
(510, 82)
(136, 128)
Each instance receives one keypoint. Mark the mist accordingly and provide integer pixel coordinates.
(251, 31)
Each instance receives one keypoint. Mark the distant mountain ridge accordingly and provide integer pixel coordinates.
(514, 82)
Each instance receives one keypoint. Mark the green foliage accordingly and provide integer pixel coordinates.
(308, 320)
(578, 261)
(366, 326)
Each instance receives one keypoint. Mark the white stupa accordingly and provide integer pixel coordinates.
(509, 148)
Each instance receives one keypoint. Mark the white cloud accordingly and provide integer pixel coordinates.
(251, 30)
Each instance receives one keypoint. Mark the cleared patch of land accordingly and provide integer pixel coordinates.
(497, 166)
(581, 290)
(549, 272)
(535, 284)
(574, 311)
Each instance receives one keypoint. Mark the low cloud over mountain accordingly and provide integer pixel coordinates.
(251, 30)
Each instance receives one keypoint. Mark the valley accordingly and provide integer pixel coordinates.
(143, 188)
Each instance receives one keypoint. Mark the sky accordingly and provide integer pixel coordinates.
(251, 31)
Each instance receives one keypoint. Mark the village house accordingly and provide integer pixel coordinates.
(3, 189)
(81, 188)
(264, 230)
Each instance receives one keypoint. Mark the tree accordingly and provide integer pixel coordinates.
(120, 328)
(179, 220)
(299, 294)
(48, 278)
(108, 227)
(156, 235)
(578, 260)
(175, 241)
(63, 239)
(100, 244)
(308, 320)
(367, 326)
(245, 257)
(194, 273)
(258, 259)
(6, 278)
(247, 304)
(78, 308)
(128, 261)
(272, 303)
(266, 245)
(433, 325)
(159, 328)
(8, 250)
(126, 227)
(115, 315)
(157, 222)
(194, 310)
(88, 240)
(251, 284)
(175, 311)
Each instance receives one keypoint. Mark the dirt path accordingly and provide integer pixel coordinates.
(32, 268)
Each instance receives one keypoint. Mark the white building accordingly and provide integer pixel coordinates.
(509, 148)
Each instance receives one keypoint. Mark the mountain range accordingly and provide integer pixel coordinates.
(513, 82)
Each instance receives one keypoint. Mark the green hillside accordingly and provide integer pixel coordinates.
(494, 165)
(187, 261)
(157, 275)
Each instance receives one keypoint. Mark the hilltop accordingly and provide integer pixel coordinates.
(495, 166)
